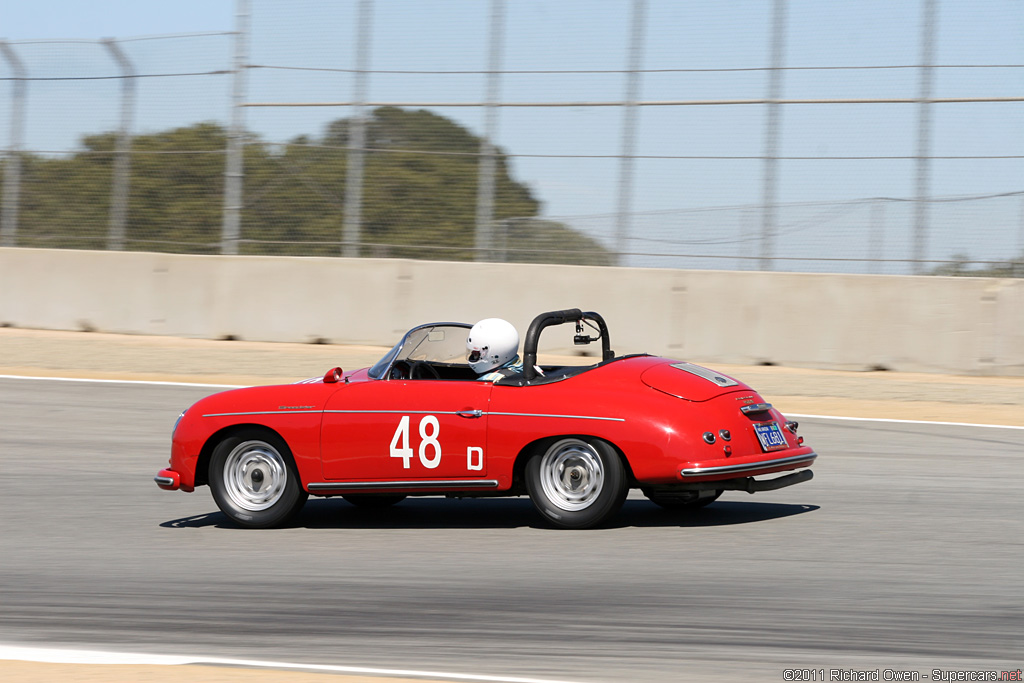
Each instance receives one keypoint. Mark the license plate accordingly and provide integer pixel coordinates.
(770, 435)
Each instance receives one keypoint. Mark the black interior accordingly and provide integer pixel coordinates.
(404, 369)
(552, 373)
(447, 371)
(556, 373)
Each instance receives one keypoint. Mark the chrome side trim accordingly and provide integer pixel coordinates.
(795, 460)
(393, 412)
(324, 486)
(755, 408)
(164, 481)
(413, 412)
(570, 417)
(262, 412)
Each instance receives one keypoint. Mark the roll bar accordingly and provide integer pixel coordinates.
(569, 315)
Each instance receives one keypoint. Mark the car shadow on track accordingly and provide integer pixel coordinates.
(501, 513)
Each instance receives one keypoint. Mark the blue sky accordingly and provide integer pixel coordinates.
(114, 18)
(593, 35)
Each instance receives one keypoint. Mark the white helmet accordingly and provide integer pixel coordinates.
(491, 343)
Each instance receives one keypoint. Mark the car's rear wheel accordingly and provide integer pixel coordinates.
(577, 483)
(374, 500)
(683, 500)
(254, 480)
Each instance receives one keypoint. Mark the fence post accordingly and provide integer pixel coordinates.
(771, 143)
(924, 137)
(233, 167)
(747, 237)
(629, 124)
(486, 172)
(876, 240)
(1017, 269)
(122, 159)
(351, 227)
(12, 169)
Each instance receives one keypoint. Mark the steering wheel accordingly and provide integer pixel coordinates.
(417, 367)
(400, 370)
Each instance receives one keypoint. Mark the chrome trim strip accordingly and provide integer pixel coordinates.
(166, 481)
(710, 375)
(412, 412)
(755, 408)
(394, 412)
(384, 485)
(570, 417)
(747, 467)
(262, 412)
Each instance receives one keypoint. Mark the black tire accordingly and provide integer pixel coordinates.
(374, 500)
(254, 480)
(577, 482)
(683, 500)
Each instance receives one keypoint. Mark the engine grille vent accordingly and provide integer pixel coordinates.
(705, 373)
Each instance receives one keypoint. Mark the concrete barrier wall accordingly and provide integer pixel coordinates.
(930, 324)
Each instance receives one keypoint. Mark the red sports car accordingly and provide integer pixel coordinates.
(419, 422)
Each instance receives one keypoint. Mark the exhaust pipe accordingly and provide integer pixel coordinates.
(753, 486)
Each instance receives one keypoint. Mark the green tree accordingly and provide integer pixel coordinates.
(419, 194)
(419, 186)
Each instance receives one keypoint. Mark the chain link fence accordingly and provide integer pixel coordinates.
(868, 137)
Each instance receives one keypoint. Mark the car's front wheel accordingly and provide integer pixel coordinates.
(254, 480)
(577, 483)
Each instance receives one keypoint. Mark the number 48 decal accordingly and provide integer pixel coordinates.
(429, 450)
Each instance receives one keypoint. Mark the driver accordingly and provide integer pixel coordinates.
(491, 349)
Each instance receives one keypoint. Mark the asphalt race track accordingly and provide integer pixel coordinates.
(905, 552)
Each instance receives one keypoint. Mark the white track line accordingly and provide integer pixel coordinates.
(909, 422)
(124, 381)
(239, 386)
(59, 656)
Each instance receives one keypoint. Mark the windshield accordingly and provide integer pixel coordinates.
(437, 343)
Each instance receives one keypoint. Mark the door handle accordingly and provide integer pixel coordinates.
(469, 413)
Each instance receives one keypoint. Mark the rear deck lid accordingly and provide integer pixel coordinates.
(689, 381)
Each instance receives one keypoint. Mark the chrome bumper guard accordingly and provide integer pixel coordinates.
(792, 461)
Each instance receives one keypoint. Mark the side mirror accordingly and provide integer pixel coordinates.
(333, 375)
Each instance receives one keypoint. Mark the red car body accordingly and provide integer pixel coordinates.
(681, 433)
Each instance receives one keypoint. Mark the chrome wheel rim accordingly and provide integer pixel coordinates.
(254, 475)
(571, 474)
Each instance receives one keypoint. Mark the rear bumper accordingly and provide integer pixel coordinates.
(169, 480)
(723, 469)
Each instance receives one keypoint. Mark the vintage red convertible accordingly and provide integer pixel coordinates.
(419, 423)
